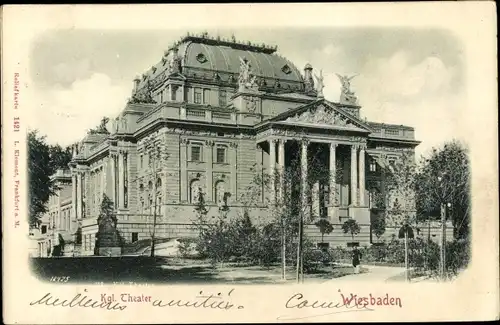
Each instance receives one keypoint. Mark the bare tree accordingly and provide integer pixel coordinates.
(156, 155)
(284, 206)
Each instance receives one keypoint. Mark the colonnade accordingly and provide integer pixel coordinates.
(357, 170)
(98, 184)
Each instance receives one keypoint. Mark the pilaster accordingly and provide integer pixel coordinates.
(209, 177)
(184, 186)
(272, 167)
(233, 162)
(121, 180)
(304, 173)
(281, 166)
(354, 176)
(333, 174)
(362, 172)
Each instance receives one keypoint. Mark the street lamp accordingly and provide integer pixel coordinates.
(443, 207)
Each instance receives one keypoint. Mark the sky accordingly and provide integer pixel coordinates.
(413, 77)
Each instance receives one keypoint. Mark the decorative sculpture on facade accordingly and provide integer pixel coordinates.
(320, 85)
(114, 126)
(246, 79)
(322, 116)
(347, 96)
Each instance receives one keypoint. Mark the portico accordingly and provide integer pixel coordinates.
(325, 148)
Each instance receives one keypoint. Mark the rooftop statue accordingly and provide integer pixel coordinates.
(246, 80)
(347, 96)
(320, 84)
(346, 83)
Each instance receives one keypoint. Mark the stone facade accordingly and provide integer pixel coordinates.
(210, 116)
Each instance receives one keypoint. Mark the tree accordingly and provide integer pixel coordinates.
(39, 170)
(60, 157)
(43, 161)
(351, 226)
(378, 225)
(325, 227)
(287, 210)
(400, 182)
(157, 155)
(444, 178)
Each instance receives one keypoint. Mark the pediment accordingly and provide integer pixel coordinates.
(176, 75)
(323, 115)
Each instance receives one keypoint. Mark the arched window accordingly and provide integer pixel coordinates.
(194, 191)
(141, 187)
(150, 185)
(158, 183)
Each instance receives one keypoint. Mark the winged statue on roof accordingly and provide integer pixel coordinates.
(246, 79)
(320, 83)
(346, 83)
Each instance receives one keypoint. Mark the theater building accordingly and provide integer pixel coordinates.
(208, 117)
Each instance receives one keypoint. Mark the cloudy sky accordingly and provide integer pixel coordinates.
(412, 77)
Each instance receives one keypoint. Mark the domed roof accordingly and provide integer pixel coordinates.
(227, 59)
(215, 55)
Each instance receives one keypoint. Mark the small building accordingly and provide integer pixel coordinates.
(57, 232)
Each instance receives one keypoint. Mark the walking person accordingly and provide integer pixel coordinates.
(356, 257)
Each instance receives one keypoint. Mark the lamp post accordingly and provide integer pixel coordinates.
(443, 207)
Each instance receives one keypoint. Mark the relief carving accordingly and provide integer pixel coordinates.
(321, 115)
(251, 103)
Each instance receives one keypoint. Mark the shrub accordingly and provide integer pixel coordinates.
(187, 247)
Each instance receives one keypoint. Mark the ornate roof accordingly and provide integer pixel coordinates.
(214, 55)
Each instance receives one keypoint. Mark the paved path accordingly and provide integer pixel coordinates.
(373, 274)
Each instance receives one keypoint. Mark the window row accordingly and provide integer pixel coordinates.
(196, 95)
(196, 153)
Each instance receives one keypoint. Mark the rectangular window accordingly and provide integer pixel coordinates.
(222, 98)
(221, 155)
(44, 229)
(373, 166)
(206, 96)
(135, 237)
(173, 94)
(195, 153)
(141, 163)
(197, 96)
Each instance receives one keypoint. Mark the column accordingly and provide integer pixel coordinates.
(79, 197)
(113, 180)
(73, 196)
(184, 186)
(272, 166)
(354, 176)
(362, 172)
(333, 174)
(209, 161)
(304, 172)
(121, 181)
(234, 176)
(281, 166)
(103, 179)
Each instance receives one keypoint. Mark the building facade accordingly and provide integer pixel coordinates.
(58, 226)
(212, 116)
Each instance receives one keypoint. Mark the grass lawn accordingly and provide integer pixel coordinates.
(171, 270)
